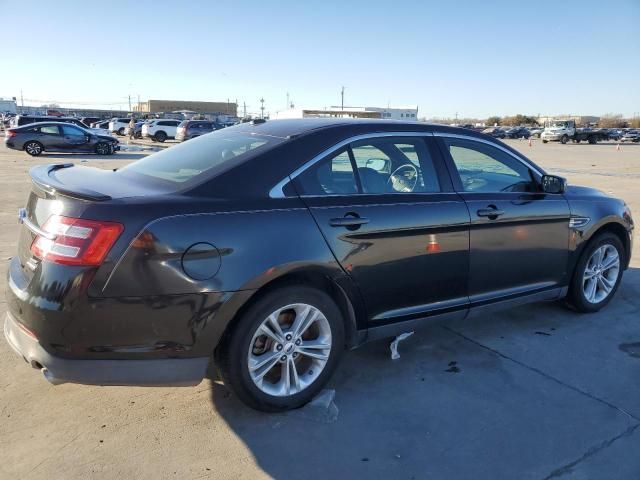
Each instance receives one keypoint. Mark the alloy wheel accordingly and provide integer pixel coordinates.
(601, 273)
(33, 148)
(289, 350)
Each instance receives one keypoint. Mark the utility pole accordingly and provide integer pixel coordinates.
(129, 102)
(342, 99)
(21, 101)
(244, 108)
(287, 101)
(262, 107)
(138, 103)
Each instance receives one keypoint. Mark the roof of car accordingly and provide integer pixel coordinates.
(287, 128)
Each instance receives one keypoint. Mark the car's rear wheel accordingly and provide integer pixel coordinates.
(598, 274)
(283, 349)
(592, 140)
(103, 148)
(33, 148)
(121, 131)
(161, 136)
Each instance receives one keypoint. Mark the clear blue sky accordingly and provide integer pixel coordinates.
(472, 57)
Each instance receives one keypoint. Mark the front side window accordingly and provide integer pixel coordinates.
(69, 130)
(484, 168)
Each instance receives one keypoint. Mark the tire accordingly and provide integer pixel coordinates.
(577, 298)
(160, 136)
(120, 131)
(592, 140)
(564, 139)
(33, 148)
(545, 141)
(232, 357)
(103, 148)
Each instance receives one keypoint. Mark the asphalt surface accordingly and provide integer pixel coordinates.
(532, 393)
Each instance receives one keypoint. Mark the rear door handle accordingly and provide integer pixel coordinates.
(490, 212)
(348, 221)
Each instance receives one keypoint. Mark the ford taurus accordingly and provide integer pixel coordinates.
(270, 247)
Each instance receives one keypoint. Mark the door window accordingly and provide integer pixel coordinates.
(395, 165)
(49, 129)
(484, 168)
(69, 130)
(331, 176)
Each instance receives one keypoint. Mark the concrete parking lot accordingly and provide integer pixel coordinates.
(532, 393)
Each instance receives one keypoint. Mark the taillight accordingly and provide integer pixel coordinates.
(11, 133)
(75, 241)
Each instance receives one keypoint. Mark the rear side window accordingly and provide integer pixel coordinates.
(48, 129)
(331, 176)
(201, 156)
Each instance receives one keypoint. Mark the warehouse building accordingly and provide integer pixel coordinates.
(227, 108)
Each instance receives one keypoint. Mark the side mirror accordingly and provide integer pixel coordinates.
(553, 184)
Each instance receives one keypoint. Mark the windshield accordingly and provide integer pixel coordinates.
(559, 125)
(204, 154)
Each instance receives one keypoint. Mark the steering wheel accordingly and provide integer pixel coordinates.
(473, 183)
(404, 178)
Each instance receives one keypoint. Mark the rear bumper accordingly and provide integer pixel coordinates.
(155, 372)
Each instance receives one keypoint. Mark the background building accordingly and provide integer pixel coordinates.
(581, 120)
(393, 113)
(151, 106)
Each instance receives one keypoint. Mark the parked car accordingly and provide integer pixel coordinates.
(631, 136)
(21, 120)
(36, 138)
(564, 130)
(273, 246)
(535, 132)
(495, 132)
(517, 132)
(89, 120)
(161, 129)
(614, 134)
(194, 128)
(117, 125)
(102, 124)
(137, 130)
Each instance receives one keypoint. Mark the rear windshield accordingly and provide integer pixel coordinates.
(203, 155)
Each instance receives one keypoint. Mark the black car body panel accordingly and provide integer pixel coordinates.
(194, 253)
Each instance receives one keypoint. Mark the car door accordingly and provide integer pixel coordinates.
(519, 235)
(51, 137)
(74, 139)
(386, 207)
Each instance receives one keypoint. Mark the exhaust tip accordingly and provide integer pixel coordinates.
(51, 378)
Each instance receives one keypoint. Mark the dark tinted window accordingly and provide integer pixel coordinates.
(202, 155)
(395, 165)
(331, 176)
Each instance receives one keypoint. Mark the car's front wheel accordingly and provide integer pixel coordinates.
(33, 148)
(103, 148)
(598, 274)
(161, 136)
(283, 349)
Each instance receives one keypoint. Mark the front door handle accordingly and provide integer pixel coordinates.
(348, 221)
(491, 212)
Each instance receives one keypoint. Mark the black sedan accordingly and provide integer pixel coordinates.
(270, 247)
(36, 138)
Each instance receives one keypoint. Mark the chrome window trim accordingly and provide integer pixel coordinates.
(488, 142)
(277, 190)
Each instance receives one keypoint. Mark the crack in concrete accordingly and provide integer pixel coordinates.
(591, 451)
(544, 374)
(568, 468)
